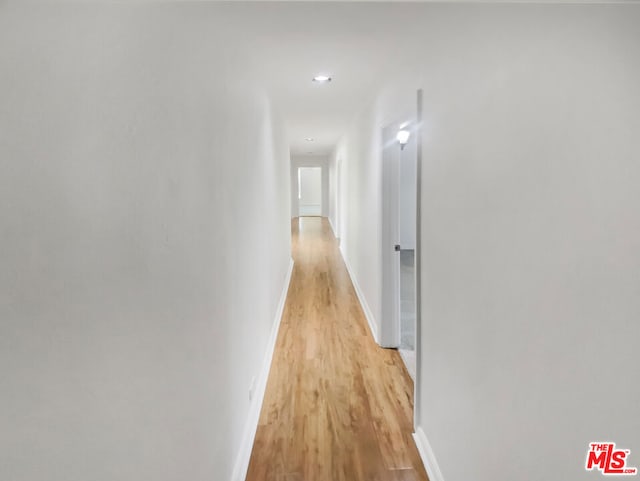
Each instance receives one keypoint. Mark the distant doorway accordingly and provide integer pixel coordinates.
(309, 191)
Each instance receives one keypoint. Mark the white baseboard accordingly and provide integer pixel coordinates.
(409, 359)
(333, 229)
(427, 455)
(363, 302)
(248, 436)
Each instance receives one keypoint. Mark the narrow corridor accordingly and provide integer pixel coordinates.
(337, 407)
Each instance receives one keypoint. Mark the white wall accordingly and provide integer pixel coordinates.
(321, 161)
(361, 213)
(127, 345)
(531, 233)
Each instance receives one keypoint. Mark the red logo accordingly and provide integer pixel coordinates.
(608, 459)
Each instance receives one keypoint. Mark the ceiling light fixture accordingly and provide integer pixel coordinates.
(309, 139)
(403, 137)
(321, 79)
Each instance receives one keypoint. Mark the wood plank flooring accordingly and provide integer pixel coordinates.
(337, 407)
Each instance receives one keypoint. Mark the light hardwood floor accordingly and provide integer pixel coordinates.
(337, 407)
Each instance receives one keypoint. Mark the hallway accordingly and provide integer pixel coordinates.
(337, 407)
(153, 322)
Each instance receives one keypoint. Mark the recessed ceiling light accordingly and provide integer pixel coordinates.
(309, 139)
(322, 79)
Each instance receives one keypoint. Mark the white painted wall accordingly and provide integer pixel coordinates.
(531, 233)
(321, 161)
(135, 304)
(531, 230)
(359, 227)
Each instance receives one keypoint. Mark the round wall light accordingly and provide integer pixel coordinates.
(403, 137)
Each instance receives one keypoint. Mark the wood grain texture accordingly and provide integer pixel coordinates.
(337, 406)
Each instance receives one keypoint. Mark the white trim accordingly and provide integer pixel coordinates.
(427, 455)
(363, 303)
(251, 426)
(333, 229)
(409, 359)
(417, 385)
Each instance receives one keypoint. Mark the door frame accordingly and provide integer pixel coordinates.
(337, 231)
(419, 131)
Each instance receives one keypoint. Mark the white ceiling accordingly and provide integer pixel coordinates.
(289, 43)
(358, 43)
(285, 44)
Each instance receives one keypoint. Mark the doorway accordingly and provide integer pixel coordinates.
(309, 191)
(407, 219)
(399, 226)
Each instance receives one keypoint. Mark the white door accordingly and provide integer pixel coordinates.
(309, 191)
(390, 326)
(399, 206)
